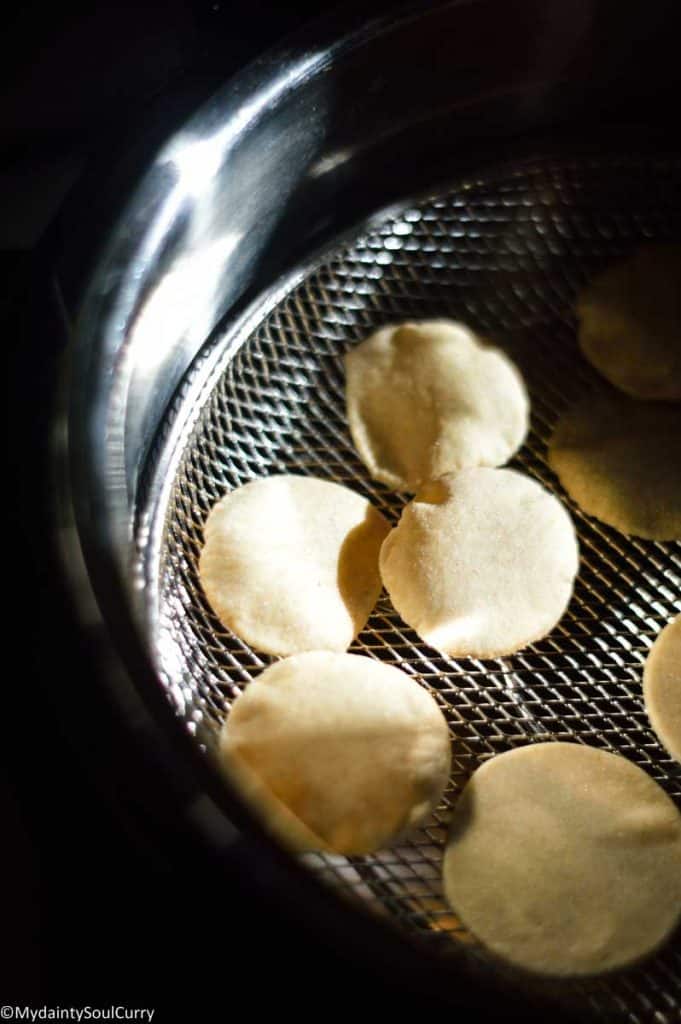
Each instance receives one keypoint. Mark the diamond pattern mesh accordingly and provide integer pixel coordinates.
(505, 252)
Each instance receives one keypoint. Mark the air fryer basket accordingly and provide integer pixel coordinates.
(504, 250)
(196, 393)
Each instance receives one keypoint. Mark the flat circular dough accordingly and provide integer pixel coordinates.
(621, 462)
(426, 398)
(353, 750)
(662, 687)
(290, 563)
(630, 326)
(565, 860)
(481, 563)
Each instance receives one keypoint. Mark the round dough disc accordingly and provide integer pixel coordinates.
(353, 749)
(662, 687)
(620, 461)
(630, 326)
(291, 563)
(481, 563)
(427, 398)
(565, 860)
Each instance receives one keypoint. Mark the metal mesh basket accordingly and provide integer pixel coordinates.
(505, 251)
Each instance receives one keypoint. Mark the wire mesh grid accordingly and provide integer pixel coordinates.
(504, 251)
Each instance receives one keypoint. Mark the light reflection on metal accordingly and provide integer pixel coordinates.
(169, 313)
(198, 159)
(330, 162)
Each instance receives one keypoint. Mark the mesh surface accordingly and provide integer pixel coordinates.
(505, 252)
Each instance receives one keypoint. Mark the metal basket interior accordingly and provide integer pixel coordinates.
(504, 250)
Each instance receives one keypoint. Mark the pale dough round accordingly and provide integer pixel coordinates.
(481, 563)
(621, 462)
(630, 326)
(353, 750)
(290, 563)
(426, 398)
(662, 687)
(565, 860)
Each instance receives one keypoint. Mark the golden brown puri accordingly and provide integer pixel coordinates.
(620, 460)
(630, 323)
(662, 687)
(290, 563)
(426, 398)
(565, 860)
(481, 563)
(337, 751)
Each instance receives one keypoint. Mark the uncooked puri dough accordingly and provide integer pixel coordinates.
(481, 563)
(662, 687)
(631, 323)
(621, 462)
(426, 398)
(290, 563)
(565, 860)
(338, 751)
